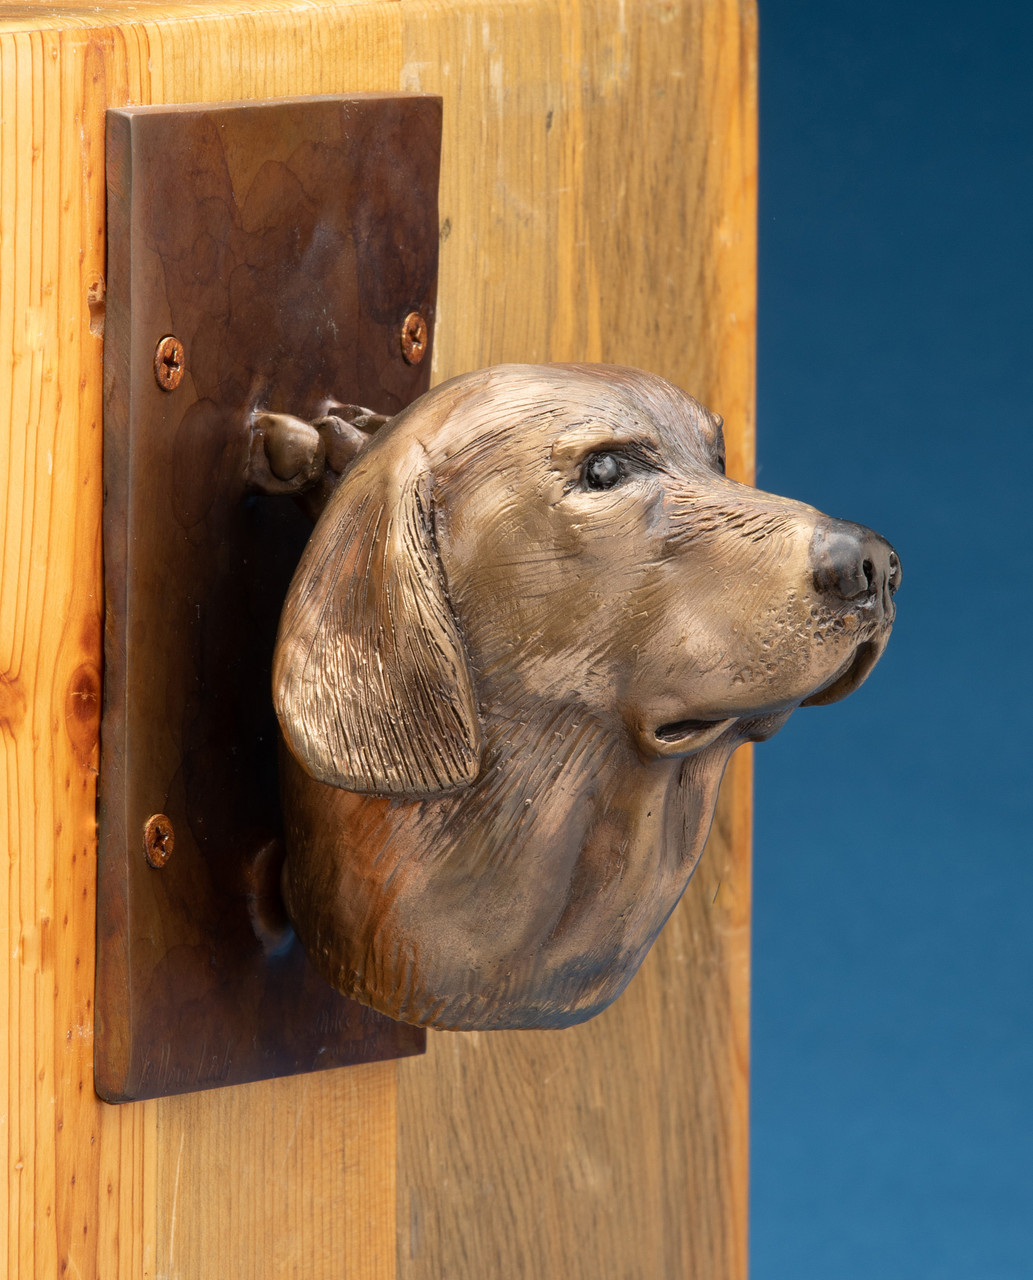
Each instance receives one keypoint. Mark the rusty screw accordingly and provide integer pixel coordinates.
(414, 337)
(169, 363)
(158, 840)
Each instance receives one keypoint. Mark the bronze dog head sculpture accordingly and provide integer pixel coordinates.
(532, 625)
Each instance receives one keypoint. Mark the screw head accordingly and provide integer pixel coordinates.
(159, 840)
(414, 338)
(169, 362)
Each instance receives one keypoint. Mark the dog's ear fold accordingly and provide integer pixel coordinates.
(371, 681)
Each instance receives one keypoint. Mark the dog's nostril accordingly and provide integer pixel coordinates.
(895, 573)
(868, 569)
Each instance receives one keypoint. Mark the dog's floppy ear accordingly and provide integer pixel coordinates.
(370, 679)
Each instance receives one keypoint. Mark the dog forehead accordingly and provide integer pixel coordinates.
(515, 412)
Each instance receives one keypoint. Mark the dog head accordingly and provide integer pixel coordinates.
(562, 534)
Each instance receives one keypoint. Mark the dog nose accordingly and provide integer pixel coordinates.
(850, 561)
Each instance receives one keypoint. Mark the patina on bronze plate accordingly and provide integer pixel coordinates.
(281, 247)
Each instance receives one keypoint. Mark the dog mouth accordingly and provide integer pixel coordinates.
(857, 672)
(683, 737)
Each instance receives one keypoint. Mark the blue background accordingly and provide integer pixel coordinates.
(893, 951)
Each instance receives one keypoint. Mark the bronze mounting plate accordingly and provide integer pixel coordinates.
(282, 247)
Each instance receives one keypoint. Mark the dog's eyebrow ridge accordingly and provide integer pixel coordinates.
(593, 437)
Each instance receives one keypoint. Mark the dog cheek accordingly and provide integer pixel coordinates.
(794, 649)
(704, 658)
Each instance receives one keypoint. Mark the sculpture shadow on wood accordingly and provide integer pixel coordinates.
(532, 624)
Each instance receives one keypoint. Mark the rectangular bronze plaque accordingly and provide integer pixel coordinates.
(281, 245)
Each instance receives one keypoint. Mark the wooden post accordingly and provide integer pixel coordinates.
(597, 203)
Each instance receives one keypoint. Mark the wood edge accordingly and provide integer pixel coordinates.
(111, 997)
(163, 109)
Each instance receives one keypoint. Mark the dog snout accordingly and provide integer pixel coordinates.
(853, 563)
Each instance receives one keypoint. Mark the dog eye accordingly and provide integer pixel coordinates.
(603, 471)
(721, 463)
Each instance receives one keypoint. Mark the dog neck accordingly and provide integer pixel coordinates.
(528, 899)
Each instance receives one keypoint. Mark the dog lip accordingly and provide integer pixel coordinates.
(856, 673)
(682, 737)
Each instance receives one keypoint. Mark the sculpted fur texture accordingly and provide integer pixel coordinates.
(530, 628)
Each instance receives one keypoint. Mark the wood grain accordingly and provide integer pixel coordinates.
(597, 202)
(329, 1137)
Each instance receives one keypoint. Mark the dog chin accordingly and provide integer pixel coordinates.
(686, 737)
(851, 676)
